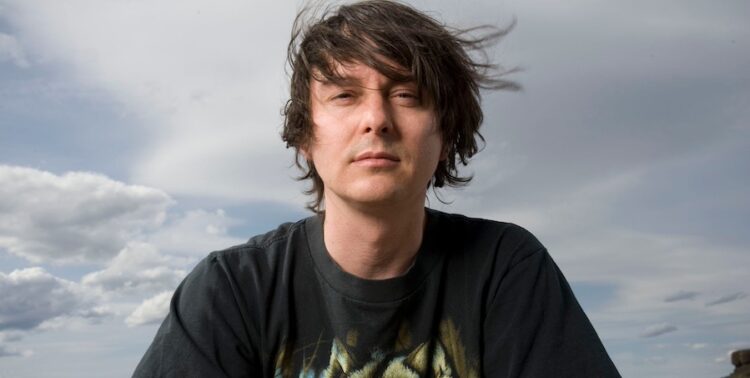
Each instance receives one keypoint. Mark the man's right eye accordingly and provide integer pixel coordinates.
(342, 98)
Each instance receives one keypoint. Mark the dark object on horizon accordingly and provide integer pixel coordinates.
(741, 362)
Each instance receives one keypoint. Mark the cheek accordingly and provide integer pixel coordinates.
(327, 129)
(434, 144)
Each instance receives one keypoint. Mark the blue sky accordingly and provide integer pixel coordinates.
(136, 137)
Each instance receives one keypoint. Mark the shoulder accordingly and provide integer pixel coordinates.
(261, 257)
(263, 246)
(249, 270)
(505, 238)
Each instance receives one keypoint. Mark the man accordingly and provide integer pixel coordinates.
(384, 104)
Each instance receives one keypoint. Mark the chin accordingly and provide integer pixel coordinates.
(368, 194)
(383, 191)
(374, 198)
(384, 198)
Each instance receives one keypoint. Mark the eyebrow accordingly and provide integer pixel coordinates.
(341, 81)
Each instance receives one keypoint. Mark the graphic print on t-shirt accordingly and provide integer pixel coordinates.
(443, 356)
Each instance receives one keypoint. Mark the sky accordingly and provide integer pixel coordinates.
(138, 136)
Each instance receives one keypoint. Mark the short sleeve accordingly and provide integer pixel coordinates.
(535, 327)
(204, 334)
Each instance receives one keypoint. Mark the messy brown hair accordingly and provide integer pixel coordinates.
(379, 33)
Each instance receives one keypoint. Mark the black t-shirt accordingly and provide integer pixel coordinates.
(483, 298)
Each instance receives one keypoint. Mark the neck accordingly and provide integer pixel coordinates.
(376, 243)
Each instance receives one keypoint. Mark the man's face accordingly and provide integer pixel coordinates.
(375, 141)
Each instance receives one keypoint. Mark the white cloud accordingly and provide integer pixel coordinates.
(32, 296)
(195, 233)
(152, 310)
(658, 330)
(10, 50)
(75, 217)
(96, 313)
(161, 260)
(138, 268)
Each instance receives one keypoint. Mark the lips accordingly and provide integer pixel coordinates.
(372, 155)
(376, 160)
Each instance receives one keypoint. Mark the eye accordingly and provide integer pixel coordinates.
(343, 97)
(406, 97)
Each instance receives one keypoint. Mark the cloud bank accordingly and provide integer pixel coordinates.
(138, 268)
(74, 217)
(142, 248)
(32, 296)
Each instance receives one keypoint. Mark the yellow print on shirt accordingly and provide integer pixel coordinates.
(444, 356)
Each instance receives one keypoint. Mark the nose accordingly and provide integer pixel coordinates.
(376, 115)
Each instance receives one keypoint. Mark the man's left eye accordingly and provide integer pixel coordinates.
(406, 98)
(406, 95)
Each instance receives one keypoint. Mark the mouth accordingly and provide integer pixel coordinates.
(370, 155)
(376, 159)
